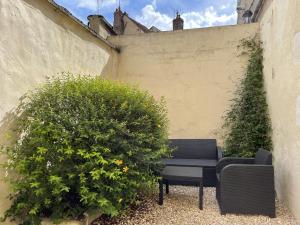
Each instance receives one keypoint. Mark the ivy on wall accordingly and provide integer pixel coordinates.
(247, 126)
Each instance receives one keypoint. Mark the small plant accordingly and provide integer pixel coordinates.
(247, 124)
(84, 144)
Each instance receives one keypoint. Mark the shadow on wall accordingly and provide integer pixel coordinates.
(110, 69)
(7, 137)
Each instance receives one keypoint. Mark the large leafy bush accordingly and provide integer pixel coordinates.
(247, 124)
(84, 143)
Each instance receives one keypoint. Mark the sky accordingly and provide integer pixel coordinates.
(159, 13)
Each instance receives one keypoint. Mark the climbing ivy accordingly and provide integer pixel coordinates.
(247, 125)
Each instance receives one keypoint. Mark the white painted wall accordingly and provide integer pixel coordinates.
(280, 32)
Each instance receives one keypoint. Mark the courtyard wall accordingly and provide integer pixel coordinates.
(195, 70)
(38, 40)
(280, 34)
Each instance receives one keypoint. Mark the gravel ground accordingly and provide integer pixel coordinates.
(181, 208)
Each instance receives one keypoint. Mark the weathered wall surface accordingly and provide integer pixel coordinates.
(195, 70)
(36, 41)
(280, 33)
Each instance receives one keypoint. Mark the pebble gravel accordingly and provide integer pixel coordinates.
(181, 208)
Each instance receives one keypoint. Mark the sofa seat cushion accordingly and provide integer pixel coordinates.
(191, 162)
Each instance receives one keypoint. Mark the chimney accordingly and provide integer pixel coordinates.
(178, 22)
(95, 23)
(118, 22)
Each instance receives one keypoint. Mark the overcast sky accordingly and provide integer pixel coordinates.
(196, 13)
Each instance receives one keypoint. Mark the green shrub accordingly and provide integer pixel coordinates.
(247, 124)
(84, 144)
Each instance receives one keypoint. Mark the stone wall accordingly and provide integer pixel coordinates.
(280, 33)
(195, 70)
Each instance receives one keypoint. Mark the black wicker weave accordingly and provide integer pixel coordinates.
(196, 153)
(246, 186)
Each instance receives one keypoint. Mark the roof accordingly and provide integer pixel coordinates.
(141, 26)
(107, 25)
(154, 29)
(75, 19)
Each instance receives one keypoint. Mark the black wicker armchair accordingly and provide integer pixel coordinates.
(246, 186)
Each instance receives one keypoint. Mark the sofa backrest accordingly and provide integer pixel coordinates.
(194, 148)
(263, 157)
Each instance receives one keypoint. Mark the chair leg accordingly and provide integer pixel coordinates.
(201, 196)
(167, 187)
(161, 192)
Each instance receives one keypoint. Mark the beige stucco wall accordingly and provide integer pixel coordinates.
(36, 41)
(195, 70)
(279, 25)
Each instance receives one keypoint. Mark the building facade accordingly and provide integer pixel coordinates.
(123, 24)
(249, 11)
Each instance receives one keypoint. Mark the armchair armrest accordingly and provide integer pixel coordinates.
(219, 153)
(244, 178)
(232, 160)
(247, 188)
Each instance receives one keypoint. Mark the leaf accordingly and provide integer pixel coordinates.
(34, 185)
(247, 126)
(71, 132)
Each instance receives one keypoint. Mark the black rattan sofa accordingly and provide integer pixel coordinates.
(246, 186)
(196, 153)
